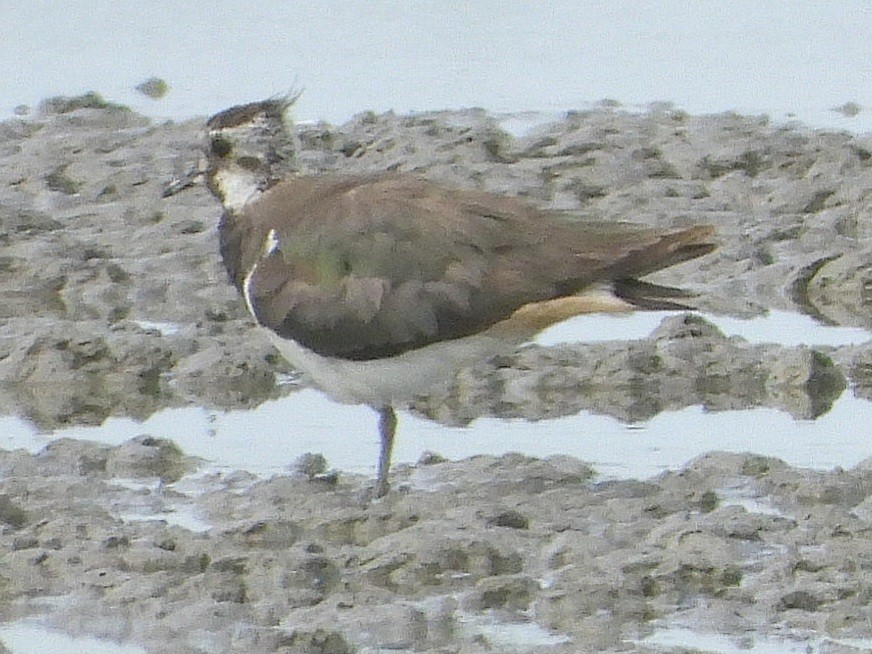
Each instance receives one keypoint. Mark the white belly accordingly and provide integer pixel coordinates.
(397, 380)
(392, 382)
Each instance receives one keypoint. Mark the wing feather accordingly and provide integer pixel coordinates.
(371, 267)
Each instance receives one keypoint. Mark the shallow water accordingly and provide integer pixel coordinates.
(680, 639)
(503, 56)
(29, 637)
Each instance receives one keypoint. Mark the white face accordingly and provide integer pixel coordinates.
(237, 163)
(236, 186)
(248, 157)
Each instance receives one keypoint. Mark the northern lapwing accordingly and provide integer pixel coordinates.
(381, 287)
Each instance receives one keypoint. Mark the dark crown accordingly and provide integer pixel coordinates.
(256, 138)
(273, 110)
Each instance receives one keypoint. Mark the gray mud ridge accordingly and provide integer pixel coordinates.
(113, 302)
(457, 555)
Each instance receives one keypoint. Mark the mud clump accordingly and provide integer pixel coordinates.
(453, 558)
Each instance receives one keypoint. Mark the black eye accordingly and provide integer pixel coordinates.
(220, 147)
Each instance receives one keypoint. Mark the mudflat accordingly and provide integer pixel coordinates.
(113, 302)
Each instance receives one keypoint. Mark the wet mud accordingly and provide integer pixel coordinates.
(113, 302)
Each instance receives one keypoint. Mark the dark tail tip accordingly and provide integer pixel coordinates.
(652, 297)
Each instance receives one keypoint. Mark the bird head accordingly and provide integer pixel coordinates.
(248, 149)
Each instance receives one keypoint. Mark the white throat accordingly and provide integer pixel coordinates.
(237, 187)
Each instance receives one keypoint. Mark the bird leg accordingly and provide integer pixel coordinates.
(387, 427)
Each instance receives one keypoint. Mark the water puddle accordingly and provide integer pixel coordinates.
(508, 636)
(165, 328)
(680, 639)
(29, 637)
(154, 505)
(747, 499)
(781, 327)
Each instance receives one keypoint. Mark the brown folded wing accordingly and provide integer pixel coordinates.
(361, 268)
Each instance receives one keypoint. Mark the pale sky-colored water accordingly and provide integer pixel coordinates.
(781, 58)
